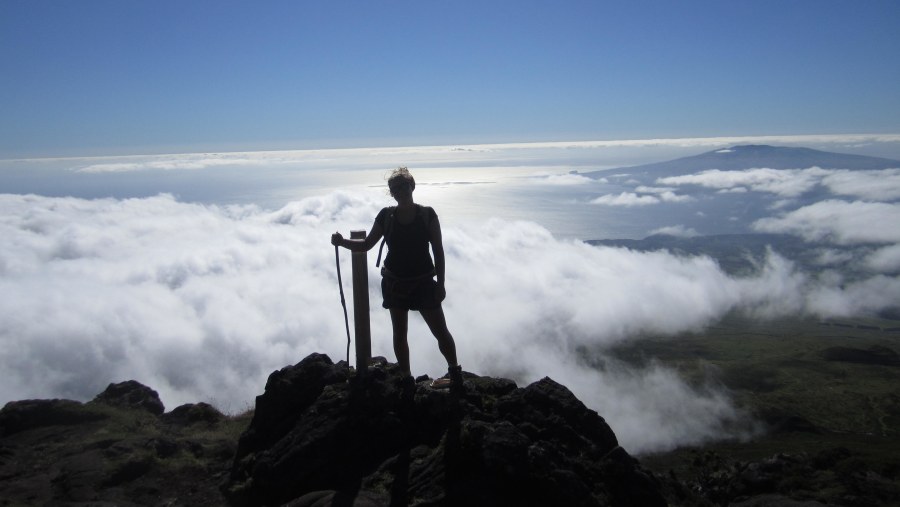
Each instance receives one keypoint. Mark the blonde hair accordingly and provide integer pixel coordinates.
(402, 173)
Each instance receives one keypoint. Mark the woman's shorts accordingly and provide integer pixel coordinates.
(417, 295)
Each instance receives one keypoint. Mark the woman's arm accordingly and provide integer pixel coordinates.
(359, 245)
(437, 249)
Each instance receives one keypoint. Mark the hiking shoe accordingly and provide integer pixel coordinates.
(440, 383)
(451, 380)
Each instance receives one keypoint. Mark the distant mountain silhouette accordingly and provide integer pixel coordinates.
(722, 221)
(739, 158)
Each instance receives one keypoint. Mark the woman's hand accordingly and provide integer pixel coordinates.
(440, 293)
(336, 239)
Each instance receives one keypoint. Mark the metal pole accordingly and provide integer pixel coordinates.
(361, 306)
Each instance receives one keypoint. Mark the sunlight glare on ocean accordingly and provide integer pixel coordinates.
(535, 182)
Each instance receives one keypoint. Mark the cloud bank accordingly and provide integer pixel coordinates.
(839, 222)
(881, 185)
(647, 196)
(676, 230)
(203, 302)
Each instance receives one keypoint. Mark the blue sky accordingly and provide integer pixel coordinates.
(120, 77)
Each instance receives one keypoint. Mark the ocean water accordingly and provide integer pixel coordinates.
(535, 182)
(461, 190)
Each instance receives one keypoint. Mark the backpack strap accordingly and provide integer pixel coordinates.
(387, 231)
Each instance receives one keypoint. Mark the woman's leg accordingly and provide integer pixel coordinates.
(400, 323)
(434, 317)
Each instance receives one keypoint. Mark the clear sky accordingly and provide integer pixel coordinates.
(117, 77)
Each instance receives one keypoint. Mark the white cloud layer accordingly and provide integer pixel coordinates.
(646, 197)
(871, 185)
(884, 260)
(676, 230)
(881, 185)
(781, 182)
(203, 302)
(627, 199)
(172, 163)
(839, 222)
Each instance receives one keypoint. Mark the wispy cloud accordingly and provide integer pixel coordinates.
(171, 163)
(676, 230)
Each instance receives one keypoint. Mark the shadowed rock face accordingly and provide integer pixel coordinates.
(131, 394)
(115, 450)
(24, 415)
(322, 437)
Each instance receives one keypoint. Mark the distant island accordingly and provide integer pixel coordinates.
(737, 158)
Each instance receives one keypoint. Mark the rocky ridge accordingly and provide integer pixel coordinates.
(119, 449)
(320, 435)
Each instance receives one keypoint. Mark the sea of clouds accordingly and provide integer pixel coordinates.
(202, 302)
(200, 274)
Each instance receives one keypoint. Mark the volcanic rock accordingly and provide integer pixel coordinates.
(30, 414)
(131, 394)
(193, 413)
(321, 436)
(63, 452)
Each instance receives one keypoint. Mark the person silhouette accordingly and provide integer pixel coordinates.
(408, 276)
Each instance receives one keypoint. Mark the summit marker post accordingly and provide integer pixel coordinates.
(361, 306)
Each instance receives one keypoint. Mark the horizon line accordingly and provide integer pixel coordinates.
(608, 143)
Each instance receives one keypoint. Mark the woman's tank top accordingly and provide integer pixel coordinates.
(408, 254)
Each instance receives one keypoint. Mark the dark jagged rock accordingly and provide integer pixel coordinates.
(288, 392)
(131, 394)
(319, 437)
(29, 414)
(193, 413)
(115, 451)
(388, 441)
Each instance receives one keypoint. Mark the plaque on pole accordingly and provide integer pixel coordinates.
(361, 306)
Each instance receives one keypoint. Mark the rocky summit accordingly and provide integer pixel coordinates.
(323, 435)
(320, 436)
